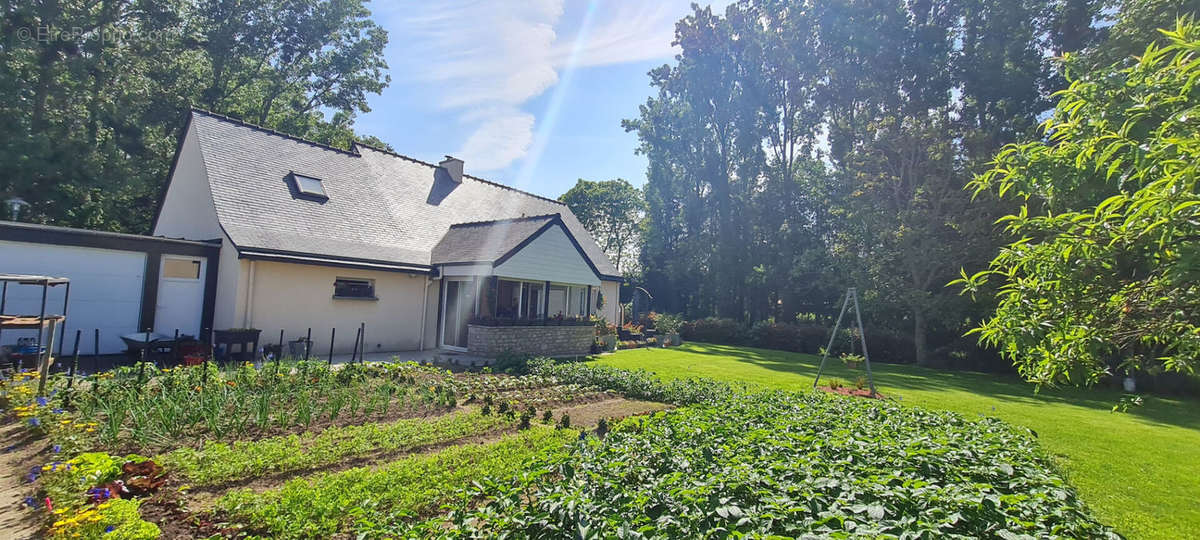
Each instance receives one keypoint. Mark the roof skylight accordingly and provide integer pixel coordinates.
(309, 186)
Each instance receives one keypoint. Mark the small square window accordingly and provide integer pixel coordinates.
(354, 288)
(309, 186)
(181, 269)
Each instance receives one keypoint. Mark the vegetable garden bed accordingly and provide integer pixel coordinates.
(300, 450)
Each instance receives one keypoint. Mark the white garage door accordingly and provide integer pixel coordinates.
(106, 290)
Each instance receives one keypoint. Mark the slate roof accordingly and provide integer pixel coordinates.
(382, 206)
(486, 241)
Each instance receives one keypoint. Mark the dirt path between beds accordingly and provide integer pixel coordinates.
(18, 453)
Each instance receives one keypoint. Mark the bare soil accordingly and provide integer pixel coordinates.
(18, 454)
(854, 392)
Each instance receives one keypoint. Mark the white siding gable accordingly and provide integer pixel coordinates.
(188, 210)
(549, 257)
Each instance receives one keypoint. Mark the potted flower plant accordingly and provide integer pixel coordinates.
(606, 334)
(668, 329)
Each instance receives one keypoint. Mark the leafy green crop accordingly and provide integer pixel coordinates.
(219, 462)
(790, 464)
(322, 505)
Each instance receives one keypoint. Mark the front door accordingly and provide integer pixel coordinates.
(458, 301)
(180, 295)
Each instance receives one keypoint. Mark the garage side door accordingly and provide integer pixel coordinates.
(106, 290)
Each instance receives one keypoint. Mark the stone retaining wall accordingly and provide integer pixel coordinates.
(492, 341)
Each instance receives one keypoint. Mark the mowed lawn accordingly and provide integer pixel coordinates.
(1138, 471)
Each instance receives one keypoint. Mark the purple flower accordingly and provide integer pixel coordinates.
(35, 422)
(57, 411)
(109, 529)
(56, 448)
(31, 502)
(42, 402)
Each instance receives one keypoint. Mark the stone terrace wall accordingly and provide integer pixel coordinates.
(491, 341)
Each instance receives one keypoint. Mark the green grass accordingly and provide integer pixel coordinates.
(1138, 471)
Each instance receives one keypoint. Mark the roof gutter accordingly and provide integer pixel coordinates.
(328, 261)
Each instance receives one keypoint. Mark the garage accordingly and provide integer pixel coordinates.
(120, 283)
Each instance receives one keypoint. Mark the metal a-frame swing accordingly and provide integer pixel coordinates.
(851, 294)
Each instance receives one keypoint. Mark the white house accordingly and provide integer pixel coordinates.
(318, 237)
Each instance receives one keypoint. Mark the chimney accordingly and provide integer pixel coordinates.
(454, 167)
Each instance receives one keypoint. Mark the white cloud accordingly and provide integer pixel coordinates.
(500, 139)
(481, 61)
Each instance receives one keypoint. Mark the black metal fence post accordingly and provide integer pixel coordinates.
(280, 353)
(332, 334)
(362, 355)
(96, 352)
(307, 342)
(71, 372)
(357, 336)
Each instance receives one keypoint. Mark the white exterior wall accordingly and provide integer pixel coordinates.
(611, 298)
(549, 257)
(230, 298)
(294, 297)
(106, 291)
(188, 211)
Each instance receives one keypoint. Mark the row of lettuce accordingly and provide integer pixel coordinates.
(730, 460)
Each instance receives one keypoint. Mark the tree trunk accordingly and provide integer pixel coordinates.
(919, 337)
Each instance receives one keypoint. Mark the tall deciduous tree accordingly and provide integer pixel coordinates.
(612, 211)
(800, 147)
(92, 94)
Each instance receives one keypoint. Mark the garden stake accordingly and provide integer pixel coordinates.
(307, 342)
(71, 373)
(142, 365)
(280, 345)
(96, 352)
(175, 347)
(332, 333)
(362, 330)
(211, 351)
(354, 354)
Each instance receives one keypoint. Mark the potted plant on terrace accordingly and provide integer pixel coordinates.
(606, 334)
(668, 329)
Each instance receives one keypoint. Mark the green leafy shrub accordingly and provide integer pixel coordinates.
(667, 323)
(1107, 223)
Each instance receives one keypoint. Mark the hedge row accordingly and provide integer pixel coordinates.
(802, 338)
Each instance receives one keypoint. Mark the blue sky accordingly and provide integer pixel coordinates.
(529, 93)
